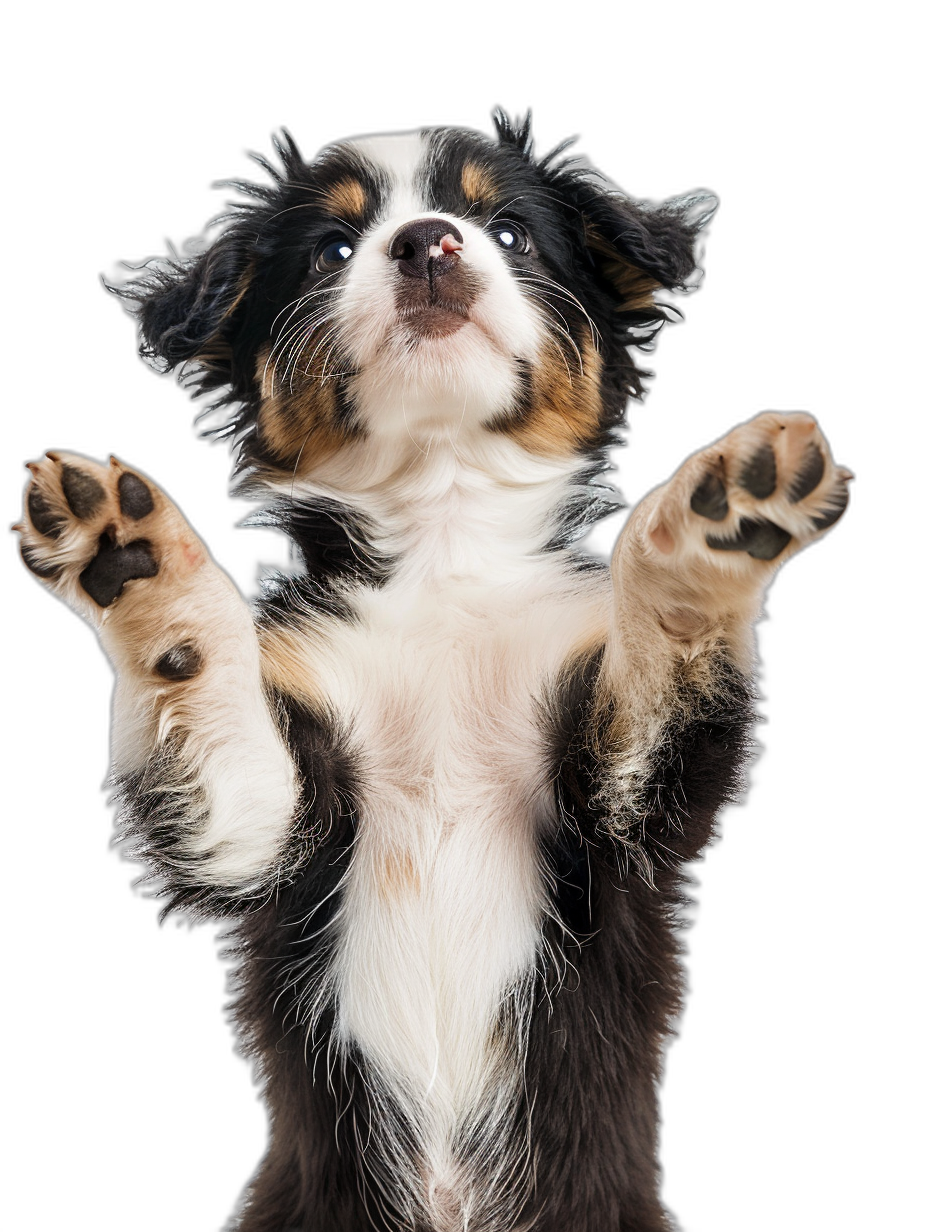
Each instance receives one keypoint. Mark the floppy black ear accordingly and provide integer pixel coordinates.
(637, 246)
(193, 309)
(646, 253)
(186, 307)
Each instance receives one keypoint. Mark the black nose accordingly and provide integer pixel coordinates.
(426, 247)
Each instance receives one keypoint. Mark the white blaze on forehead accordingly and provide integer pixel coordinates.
(400, 158)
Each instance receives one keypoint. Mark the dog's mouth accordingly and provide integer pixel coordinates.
(436, 318)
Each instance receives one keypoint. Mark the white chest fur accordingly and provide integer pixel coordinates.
(442, 689)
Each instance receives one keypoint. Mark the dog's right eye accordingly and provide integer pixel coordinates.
(332, 254)
(510, 235)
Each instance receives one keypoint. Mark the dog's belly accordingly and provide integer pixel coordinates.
(439, 926)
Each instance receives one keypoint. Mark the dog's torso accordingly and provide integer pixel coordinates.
(441, 682)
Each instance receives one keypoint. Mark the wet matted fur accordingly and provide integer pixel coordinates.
(444, 779)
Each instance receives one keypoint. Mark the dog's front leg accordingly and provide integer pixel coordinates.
(690, 570)
(207, 785)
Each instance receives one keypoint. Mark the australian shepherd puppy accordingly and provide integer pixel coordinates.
(445, 777)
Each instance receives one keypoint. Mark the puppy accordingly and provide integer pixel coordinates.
(445, 777)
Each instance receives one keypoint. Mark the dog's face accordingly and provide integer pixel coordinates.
(429, 303)
(421, 283)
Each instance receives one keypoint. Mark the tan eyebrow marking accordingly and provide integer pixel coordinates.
(478, 183)
(346, 197)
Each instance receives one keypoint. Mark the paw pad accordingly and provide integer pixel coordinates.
(80, 524)
(709, 499)
(809, 475)
(179, 663)
(772, 481)
(42, 515)
(759, 474)
(113, 566)
(135, 499)
(759, 538)
(82, 492)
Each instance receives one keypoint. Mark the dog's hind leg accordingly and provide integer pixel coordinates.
(207, 785)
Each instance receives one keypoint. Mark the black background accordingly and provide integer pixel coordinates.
(123, 1071)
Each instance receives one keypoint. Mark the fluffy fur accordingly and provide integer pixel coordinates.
(445, 778)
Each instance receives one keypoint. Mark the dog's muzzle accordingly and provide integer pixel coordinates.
(434, 297)
(426, 248)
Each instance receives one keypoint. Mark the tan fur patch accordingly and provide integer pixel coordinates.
(296, 428)
(477, 182)
(566, 404)
(346, 199)
(399, 874)
(634, 286)
(286, 661)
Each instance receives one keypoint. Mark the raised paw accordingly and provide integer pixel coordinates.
(91, 531)
(763, 491)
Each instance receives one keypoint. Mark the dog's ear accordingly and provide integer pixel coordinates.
(642, 245)
(635, 247)
(196, 309)
(188, 307)
(645, 253)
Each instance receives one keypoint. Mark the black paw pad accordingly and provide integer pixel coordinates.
(135, 499)
(82, 492)
(709, 499)
(180, 662)
(112, 567)
(759, 474)
(809, 475)
(42, 516)
(759, 538)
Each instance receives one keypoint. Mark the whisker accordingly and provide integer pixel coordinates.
(544, 280)
(308, 322)
(288, 331)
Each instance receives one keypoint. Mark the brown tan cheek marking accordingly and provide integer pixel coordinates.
(477, 183)
(296, 429)
(634, 286)
(566, 407)
(346, 198)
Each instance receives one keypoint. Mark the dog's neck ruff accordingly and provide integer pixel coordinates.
(451, 506)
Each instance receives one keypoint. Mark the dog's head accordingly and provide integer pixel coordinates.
(421, 283)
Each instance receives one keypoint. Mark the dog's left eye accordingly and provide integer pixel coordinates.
(333, 253)
(510, 235)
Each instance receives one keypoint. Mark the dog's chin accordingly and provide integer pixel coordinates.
(432, 322)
